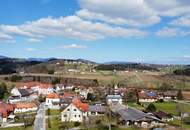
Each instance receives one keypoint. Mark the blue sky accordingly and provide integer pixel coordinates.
(151, 31)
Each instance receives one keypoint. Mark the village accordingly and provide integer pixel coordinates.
(42, 106)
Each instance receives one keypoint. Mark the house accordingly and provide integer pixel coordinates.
(40, 88)
(75, 112)
(163, 116)
(20, 92)
(129, 116)
(168, 95)
(43, 89)
(52, 101)
(147, 96)
(19, 95)
(5, 110)
(84, 92)
(113, 99)
(96, 110)
(25, 107)
(60, 87)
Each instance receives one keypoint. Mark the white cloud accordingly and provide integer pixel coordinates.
(133, 12)
(34, 40)
(69, 27)
(182, 21)
(74, 46)
(172, 32)
(130, 12)
(6, 38)
(30, 49)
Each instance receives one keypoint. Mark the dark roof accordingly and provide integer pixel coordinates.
(161, 114)
(97, 108)
(24, 92)
(131, 114)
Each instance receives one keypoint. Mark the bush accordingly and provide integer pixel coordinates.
(16, 78)
(76, 124)
(151, 108)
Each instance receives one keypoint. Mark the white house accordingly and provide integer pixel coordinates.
(19, 95)
(113, 99)
(52, 101)
(25, 107)
(147, 96)
(43, 89)
(75, 112)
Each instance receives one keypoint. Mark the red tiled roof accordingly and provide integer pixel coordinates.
(82, 106)
(5, 109)
(22, 105)
(52, 95)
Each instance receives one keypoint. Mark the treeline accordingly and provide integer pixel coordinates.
(9, 66)
(185, 71)
(122, 67)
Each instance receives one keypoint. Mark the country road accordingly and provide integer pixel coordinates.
(39, 123)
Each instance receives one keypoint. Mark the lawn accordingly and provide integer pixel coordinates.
(17, 128)
(178, 123)
(169, 107)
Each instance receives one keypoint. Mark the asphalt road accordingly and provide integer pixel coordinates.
(39, 123)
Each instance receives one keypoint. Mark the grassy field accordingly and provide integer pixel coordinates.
(17, 128)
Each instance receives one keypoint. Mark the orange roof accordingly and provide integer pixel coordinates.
(66, 94)
(5, 109)
(82, 106)
(52, 95)
(25, 105)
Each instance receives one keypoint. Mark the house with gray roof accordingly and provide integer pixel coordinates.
(113, 99)
(131, 116)
(96, 110)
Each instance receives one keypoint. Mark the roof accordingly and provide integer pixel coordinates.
(82, 106)
(5, 108)
(97, 108)
(24, 92)
(161, 114)
(29, 85)
(113, 97)
(147, 95)
(53, 95)
(22, 105)
(131, 114)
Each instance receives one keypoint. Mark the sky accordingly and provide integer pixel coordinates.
(147, 31)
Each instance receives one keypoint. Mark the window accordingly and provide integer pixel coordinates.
(65, 115)
(75, 115)
(68, 109)
(79, 115)
(75, 109)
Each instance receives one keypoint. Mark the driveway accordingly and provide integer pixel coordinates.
(39, 123)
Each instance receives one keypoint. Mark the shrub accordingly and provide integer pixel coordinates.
(76, 124)
(151, 108)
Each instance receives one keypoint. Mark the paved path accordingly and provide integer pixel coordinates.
(39, 123)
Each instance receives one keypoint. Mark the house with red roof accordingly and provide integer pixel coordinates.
(147, 96)
(52, 101)
(25, 107)
(5, 110)
(75, 112)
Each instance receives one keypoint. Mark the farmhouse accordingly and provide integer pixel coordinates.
(168, 95)
(25, 107)
(130, 116)
(75, 112)
(96, 110)
(147, 96)
(5, 111)
(113, 99)
(52, 101)
(19, 95)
